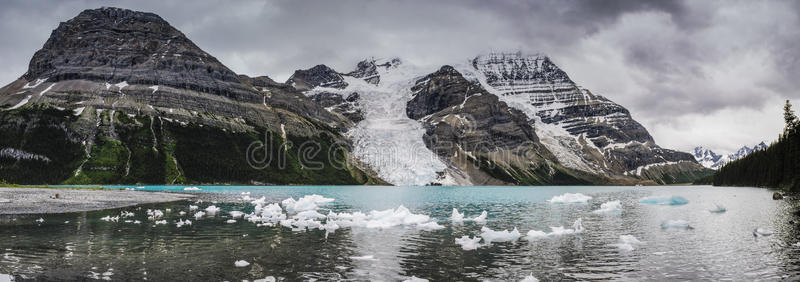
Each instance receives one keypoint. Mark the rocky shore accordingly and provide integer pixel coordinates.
(43, 200)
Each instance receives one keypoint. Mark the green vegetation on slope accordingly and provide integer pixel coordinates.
(778, 166)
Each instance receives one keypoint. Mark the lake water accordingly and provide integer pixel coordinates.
(716, 245)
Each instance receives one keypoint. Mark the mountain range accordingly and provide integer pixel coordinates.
(120, 96)
(712, 160)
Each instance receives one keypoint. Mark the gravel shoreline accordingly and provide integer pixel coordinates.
(43, 200)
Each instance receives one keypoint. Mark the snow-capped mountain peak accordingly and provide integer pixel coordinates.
(712, 160)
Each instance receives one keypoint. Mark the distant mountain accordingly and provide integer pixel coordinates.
(482, 111)
(712, 160)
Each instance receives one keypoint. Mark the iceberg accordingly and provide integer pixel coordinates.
(110, 219)
(456, 217)
(664, 200)
(610, 207)
(676, 224)
(762, 232)
(626, 243)
(266, 279)
(490, 235)
(193, 208)
(192, 189)
(199, 215)
(236, 214)
(570, 198)
(468, 243)
(230, 221)
(415, 279)
(481, 218)
(154, 214)
(241, 263)
(529, 278)
(306, 203)
(212, 210)
(718, 209)
(181, 223)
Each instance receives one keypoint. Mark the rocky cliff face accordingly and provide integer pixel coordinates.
(585, 131)
(117, 82)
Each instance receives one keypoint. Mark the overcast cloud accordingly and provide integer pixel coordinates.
(693, 72)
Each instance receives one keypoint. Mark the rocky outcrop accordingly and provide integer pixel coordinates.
(318, 76)
(368, 69)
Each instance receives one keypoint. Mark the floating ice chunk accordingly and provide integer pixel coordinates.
(534, 235)
(490, 235)
(110, 219)
(181, 223)
(664, 200)
(570, 198)
(610, 207)
(137, 222)
(192, 189)
(182, 213)
(245, 193)
(468, 243)
(199, 215)
(529, 278)
(578, 225)
(676, 224)
(126, 214)
(78, 111)
(626, 243)
(241, 263)
(456, 217)
(154, 87)
(481, 218)
(6, 278)
(154, 214)
(762, 232)
(167, 210)
(193, 208)
(368, 257)
(212, 210)
(718, 209)
(307, 202)
(230, 221)
(266, 279)
(430, 226)
(415, 279)
(162, 222)
(236, 214)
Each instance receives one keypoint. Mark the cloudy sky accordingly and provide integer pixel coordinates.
(693, 72)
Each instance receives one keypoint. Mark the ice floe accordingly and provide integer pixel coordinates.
(718, 209)
(110, 219)
(212, 210)
(762, 232)
(181, 223)
(490, 235)
(577, 228)
(241, 263)
(468, 243)
(664, 200)
(199, 215)
(626, 243)
(415, 279)
(481, 218)
(456, 217)
(367, 257)
(154, 214)
(676, 224)
(308, 202)
(570, 198)
(529, 278)
(236, 214)
(610, 207)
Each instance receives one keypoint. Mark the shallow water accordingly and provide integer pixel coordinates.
(718, 245)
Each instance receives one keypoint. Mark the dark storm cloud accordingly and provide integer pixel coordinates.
(681, 67)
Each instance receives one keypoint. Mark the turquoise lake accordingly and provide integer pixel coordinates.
(681, 233)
